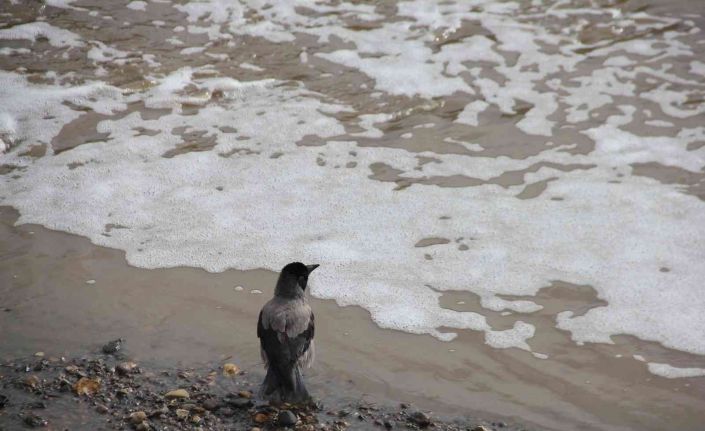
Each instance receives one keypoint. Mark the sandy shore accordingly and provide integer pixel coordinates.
(62, 295)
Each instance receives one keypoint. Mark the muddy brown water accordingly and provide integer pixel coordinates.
(187, 317)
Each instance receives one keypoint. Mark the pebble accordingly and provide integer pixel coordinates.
(480, 428)
(256, 291)
(34, 421)
(125, 368)
(211, 404)
(230, 370)
(245, 394)
(286, 418)
(181, 413)
(239, 288)
(39, 354)
(100, 408)
(420, 418)
(113, 347)
(159, 412)
(86, 386)
(261, 418)
(31, 381)
(144, 426)
(239, 403)
(177, 394)
(138, 417)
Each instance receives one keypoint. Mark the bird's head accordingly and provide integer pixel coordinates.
(293, 279)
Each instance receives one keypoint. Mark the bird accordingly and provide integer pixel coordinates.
(285, 329)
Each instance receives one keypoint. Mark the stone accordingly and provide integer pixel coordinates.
(239, 403)
(125, 368)
(230, 370)
(211, 404)
(181, 413)
(138, 417)
(86, 386)
(286, 418)
(113, 347)
(102, 409)
(480, 428)
(245, 394)
(34, 421)
(420, 418)
(388, 424)
(261, 418)
(31, 381)
(3, 401)
(177, 394)
(144, 426)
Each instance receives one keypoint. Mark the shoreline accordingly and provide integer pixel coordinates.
(109, 391)
(184, 317)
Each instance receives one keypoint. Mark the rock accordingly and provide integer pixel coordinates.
(125, 368)
(36, 405)
(177, 394)
(245, 394)
(34, 421)
(39, 354)
(195, 419)
(239, 403)
(211, 404)
(102, 409)
(113, 347)
(388, 424)
(31, 382)
(144, 426)
(230, 370)
(3, 401)
(480, 428)
(72, 370)
(261, 418)
(404, 406)
(420, 418)
(286, 418)
(343, 413)
(181, 413)
(159, 412)
(86, 386)
(138, 417)
(226, 412)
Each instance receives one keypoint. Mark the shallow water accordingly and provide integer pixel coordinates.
(524, 176)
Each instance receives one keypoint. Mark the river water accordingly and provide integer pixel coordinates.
(519, 185)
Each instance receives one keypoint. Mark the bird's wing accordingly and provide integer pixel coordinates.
(280, 345)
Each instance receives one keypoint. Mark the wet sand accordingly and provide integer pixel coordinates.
(189, 317)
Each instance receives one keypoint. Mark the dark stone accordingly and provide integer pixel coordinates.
(239, 403)
(286, 418)
(211, 404)
(113, 347)
(100, 408)
(3, 401)
(35, 421)
(420, 418)
(388, 424)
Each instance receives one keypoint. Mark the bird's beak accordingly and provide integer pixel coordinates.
(311, 268)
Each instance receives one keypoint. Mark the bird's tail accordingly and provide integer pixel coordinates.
(285, 384)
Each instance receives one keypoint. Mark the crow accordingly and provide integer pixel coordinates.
(285, 329)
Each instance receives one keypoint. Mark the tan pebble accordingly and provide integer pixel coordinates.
(138, 417)
(177, 393)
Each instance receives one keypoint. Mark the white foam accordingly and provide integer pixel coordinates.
(306, 205)
(57, 37)
(137, 5)
(670, 372)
